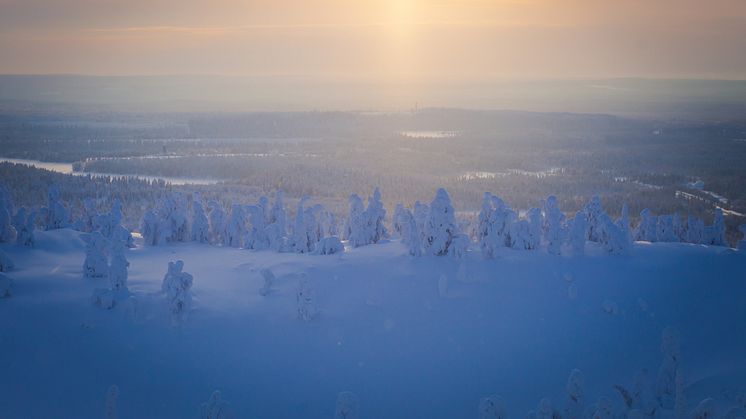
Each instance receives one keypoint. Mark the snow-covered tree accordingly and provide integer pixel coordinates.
(575, 401)
(269, 280)
(355, 226)
(96, 264)
(520, 235)
(493, 228)
(441, 225)
(257, 237)
(215, 408)
(553, 223)
(275, 232)
(57, 215)
(399, 220)
(492, 407)
(200, 231)
(24, 226)
(305, 299)
(647, 230)
(459, 245)
(611, 236)
(6, 263)
(375, 215)
(578, 228)
(168, 222)
(533, 215)
(665, 389)
(7, 231)
(110, 226)
(118, 267)
(545, 410)
(604, 409)
(593, 211)
(715, 234)
(235, 230)
(6, 284)
(111, 402)
(413, 236)
(177, 286)
(218, 221)
(706, 409)
(695, 230)
(665, 229)
(303, 240)
(348, 406)
(329, 246)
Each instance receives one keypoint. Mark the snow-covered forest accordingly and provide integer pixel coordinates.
(265, 286)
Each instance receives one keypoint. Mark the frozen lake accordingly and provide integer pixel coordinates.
(67, 168)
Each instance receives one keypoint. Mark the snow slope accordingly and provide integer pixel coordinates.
(408, 342)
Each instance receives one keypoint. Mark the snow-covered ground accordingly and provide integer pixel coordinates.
(419, 337)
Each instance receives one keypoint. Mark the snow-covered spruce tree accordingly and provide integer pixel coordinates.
(348, 406)
(305, 299)
(494, 222)
(215, 408)
(592, 211)
(276, 229)
(111, 402)
(413, 236)
(679, 230)
(6, 285)
(218, 222)
(611, 236)
(578, 228)
(679, 404)
(278, 214)
(441, 228)
(647, 230)
(742, 242)
(269, 280)
(492, 407)
(6, 263)
(421, 212)
(110, 226)
(715, 234)
(96, 264)
(665, 388)
(623, 223)
(7, 231)
(604, 409)
(695, 228)
(328, 223)
(575, 401)
(375, 215)
(25, 226)
(300, 241)
(665, 229)
(554, 220)
(545, 410)
(149, 228)
(118, 267)
(257, 237)
(398, 220)
(520, 232)
(87, 222)
(236, 227)
(534, 218)
(200, 231)
(57, 215)
(355, 226)
(706, 409)
(177, 286)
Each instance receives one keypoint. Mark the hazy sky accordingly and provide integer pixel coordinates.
(381, 40)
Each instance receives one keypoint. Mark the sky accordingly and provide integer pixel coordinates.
(386, 40)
